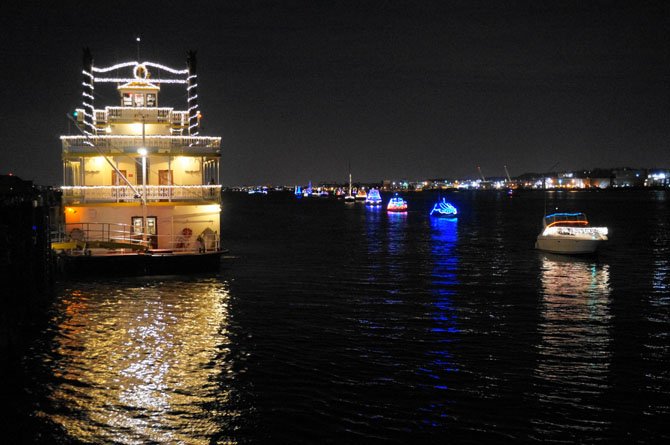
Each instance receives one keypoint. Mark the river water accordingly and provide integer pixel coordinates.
(331, 322)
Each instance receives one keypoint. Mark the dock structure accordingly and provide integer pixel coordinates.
(27, 267)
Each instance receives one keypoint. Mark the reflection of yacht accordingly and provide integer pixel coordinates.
(373, 198)
(397, 204)
(574, 351)
(569, 233)
(444, 209)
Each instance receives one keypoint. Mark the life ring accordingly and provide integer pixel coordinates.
(183, 240)
(77, 234)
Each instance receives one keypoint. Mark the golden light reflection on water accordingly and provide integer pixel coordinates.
(142, 364)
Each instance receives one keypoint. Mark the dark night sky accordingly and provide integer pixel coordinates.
(413, 89)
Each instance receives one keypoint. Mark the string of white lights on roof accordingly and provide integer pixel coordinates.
(141, 79)
(137, 65)
(132, 79)
(125, 64)
(148, 137)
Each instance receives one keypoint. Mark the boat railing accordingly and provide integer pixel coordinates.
(111, 144)
(576, 231)
(565, 218)
(150, 114)
(123, 238)
(79, 235)
(121, 193)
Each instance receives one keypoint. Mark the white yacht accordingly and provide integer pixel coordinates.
(569, 233)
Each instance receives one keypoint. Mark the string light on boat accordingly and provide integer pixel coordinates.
(201, 139)
(130, 79)
(127, 64)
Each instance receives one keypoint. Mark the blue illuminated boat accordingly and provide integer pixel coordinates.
(373, 198)
(308, 191)
(397, 204)
(444, 209)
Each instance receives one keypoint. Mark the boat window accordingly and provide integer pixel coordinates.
(151, 100)
(139, 99)
(137, 223)
(127, 100)
(151, 225)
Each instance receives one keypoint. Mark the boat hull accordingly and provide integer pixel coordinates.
(568, 246)
(444, 215)
(77, 266)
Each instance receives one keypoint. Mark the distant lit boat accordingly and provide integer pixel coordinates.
(361, 195)
(569, 233)
(298, 191)
(373, 198)
(397, 204)
(258, 191)
(308, 191)
(444, 209)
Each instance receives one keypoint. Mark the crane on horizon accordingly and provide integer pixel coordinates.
(507, 173)
(481, 174)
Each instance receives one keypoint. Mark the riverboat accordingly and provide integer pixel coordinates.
(141, 192)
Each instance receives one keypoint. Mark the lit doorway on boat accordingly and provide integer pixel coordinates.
(117, 180)
(164, 181)
(137, 223)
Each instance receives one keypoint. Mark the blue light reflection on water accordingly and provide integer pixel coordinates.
(443, 284)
